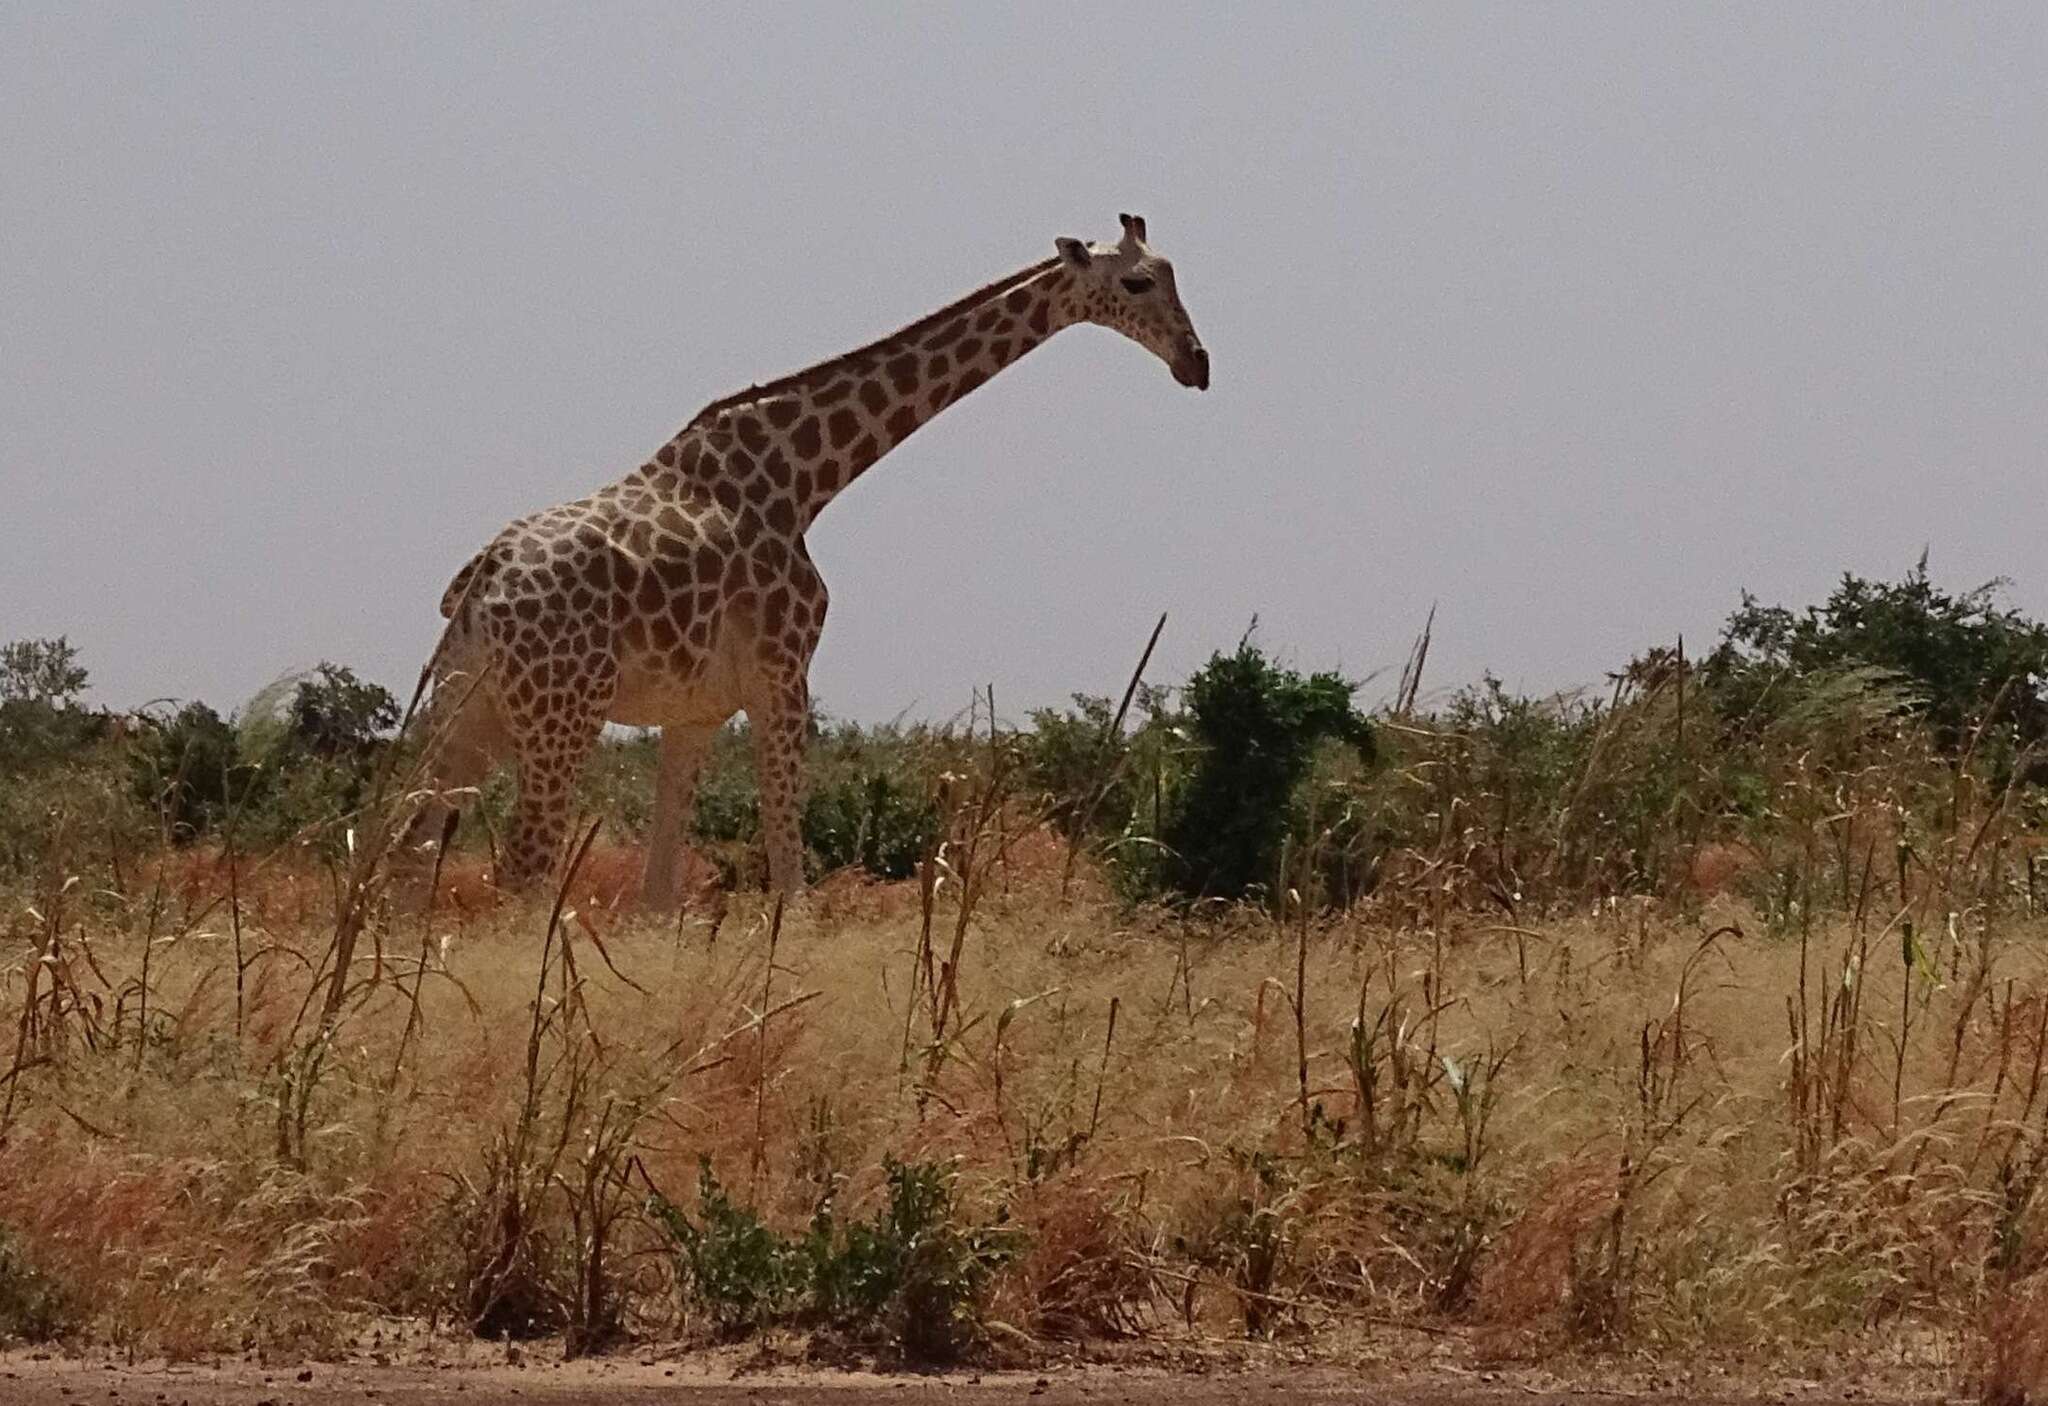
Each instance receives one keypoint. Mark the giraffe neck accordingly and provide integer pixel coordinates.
(802, 439)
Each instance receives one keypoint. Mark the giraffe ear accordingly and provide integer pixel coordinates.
(1074, 252)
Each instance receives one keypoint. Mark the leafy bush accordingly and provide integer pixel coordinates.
(911, 1275)
(63, 786)
(188, 768)
(1096, 779)
(41, 671)
(1258, 727)
(334, 714)
(741, 1273)
(912, 1267)
(870, 799)
(871, 820)
(1958, 653)
(284, 770)
(1075, 759)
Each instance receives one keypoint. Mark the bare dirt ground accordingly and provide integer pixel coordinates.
(746, 1379)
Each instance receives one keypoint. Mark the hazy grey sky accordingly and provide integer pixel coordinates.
(1573, 319)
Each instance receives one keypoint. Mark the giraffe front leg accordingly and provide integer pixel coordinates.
(780, 724)
(683, 751)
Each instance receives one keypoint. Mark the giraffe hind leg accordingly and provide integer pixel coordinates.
(551, 757)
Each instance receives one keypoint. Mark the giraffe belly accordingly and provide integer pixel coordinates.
(652, 692)
(656, 701)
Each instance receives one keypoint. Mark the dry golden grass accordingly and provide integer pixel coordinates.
(1631, 1125)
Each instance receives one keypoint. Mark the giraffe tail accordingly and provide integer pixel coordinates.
(454, 601)
(473, 574)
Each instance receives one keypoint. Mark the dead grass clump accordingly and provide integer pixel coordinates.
(2009, 1354)
(1242, 1236)
(177, 1255)
(1082, 1274)
(514, 1277)
(1544, 1281)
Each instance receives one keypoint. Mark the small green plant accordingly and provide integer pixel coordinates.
(913, 1269)
(742, 1274)
(911, 1276)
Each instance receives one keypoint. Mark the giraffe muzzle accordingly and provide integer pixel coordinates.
(1191, 367)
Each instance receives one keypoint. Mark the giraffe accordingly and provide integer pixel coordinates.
(682, 593)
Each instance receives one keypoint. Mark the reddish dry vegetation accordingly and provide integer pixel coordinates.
(1652, 1130)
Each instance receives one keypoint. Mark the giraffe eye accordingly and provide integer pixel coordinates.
(1136, 283)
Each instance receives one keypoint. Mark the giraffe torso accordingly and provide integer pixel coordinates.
(658, 598)
(683, 591)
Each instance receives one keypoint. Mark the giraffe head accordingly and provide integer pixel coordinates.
(1129, 288)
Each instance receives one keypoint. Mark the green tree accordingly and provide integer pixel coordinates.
(1959, 654)
(46, 672)
(1257, 727)
(336, 715)
(41, 719)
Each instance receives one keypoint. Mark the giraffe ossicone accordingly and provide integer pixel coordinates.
(682, 594)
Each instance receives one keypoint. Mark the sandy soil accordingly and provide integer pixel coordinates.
(42, 1379)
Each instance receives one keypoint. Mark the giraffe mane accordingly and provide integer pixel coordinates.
(832, 365)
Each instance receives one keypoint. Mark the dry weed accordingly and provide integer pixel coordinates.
(2009, 1357)
(1284, 1129)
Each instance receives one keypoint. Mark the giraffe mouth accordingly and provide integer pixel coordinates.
(1191, 367)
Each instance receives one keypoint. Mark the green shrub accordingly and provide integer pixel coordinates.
(911, 1276)
(64, 789)
(912, 1269)
(1257, 728)
(335, 714)
(188, 768)
(742, 1274)
(870, 796)
(1958, 653)
(291, 766)
(1069, 756)
(872, 820)
(1098, 781)
(618, 781)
